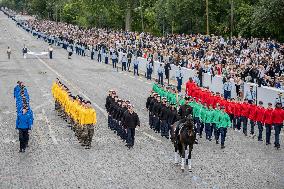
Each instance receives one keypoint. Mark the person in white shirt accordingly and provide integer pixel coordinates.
(9, 52)
(161, 72)
(179, 76)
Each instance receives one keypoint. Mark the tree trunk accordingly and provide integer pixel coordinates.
(128, 18)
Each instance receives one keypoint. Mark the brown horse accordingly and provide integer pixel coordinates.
(183, 140)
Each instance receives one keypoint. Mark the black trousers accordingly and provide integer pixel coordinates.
(23, 138)
(130, 136)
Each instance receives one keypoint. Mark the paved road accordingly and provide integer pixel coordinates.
(56, 160)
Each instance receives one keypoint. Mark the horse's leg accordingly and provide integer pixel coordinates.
(182, 157)
(176, 154)
(189, 159)
(186, 155)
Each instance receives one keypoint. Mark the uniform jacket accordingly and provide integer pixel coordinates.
(24, 121)
(267, 118)
(131, 120)
(277, 116)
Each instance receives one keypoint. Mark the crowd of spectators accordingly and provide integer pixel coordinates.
(239, 59)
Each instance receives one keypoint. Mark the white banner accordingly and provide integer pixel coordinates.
(37, 53)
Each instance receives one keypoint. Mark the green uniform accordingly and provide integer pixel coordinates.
(203, 114)
(181, 102)
(199, 108)
(209, 116)
(216, 116)
(224, 120)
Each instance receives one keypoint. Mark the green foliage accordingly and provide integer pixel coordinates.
(260, 18)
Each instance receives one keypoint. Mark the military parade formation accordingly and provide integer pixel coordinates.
(121, 118)
(24, 120)
(183, 116)
(166, 108)
(76, 111)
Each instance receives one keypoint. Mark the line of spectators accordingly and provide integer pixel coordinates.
(253, 60)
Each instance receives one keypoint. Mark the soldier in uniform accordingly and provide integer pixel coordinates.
(113, 108)
(131, 121)
(164, 114)
(183, 112)
(223, 124)
(148, 102)
(156, 112)
(117, 117)
(89, 121)
(173, 116)
(109, 100)
(122, 114)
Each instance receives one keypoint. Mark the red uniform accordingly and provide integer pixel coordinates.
(230, 107)
(245, 108)
(238, 109)
(259, 113)
(252, 112)
(189, 88)
(278, 116)
(267, 118)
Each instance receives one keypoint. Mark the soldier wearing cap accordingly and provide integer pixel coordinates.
(109, 100)
(89, 120)
(156, 112)
(116, 117)
(173, 115)
(131, 121)
(148, 102)
(185, 110)
(164, 116)
(113, 110)
(123, 112)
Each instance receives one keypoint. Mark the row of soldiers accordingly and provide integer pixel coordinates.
(161, 115)
(25, 118)
(75, 111)
(121, 118)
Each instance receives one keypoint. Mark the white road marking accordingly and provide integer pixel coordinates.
(85, 96)
(40, 106)
(8, 112)
(51, 132)
(151, 137)
(72, 85)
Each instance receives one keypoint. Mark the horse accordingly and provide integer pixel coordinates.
(183, 141)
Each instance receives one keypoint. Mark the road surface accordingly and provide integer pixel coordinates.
(56, 160)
